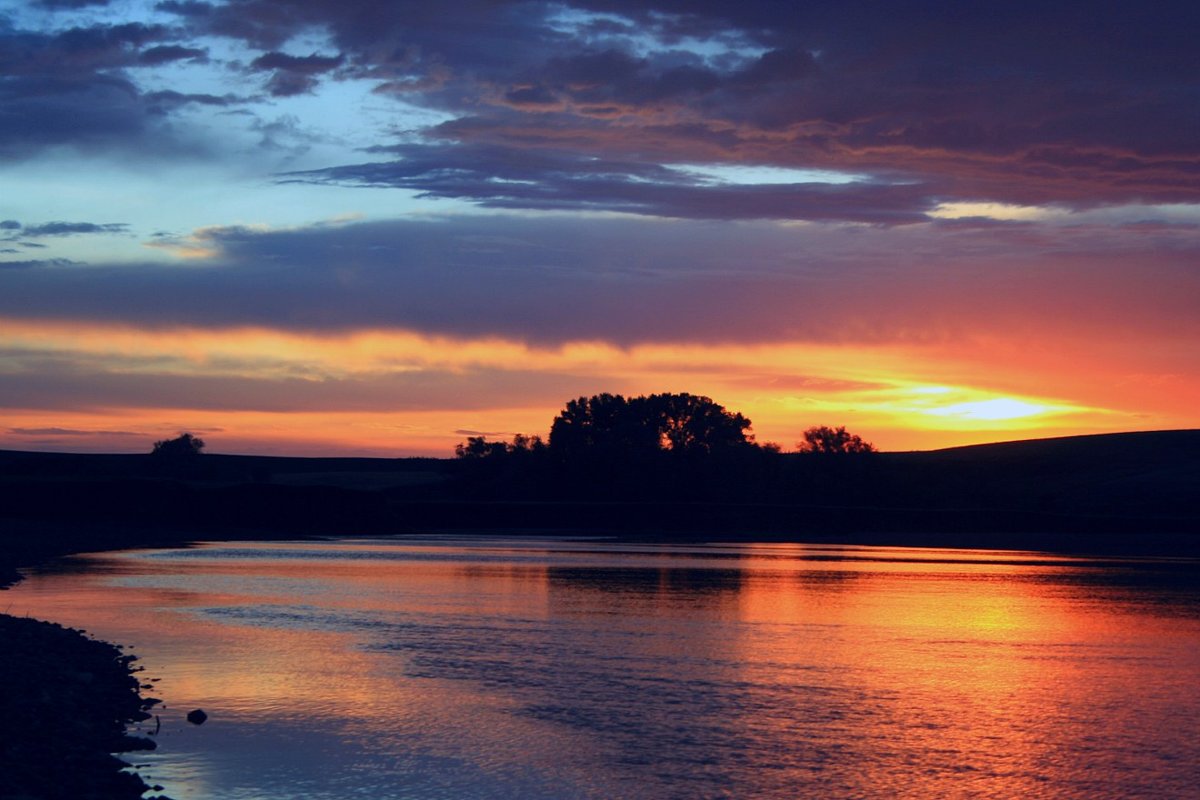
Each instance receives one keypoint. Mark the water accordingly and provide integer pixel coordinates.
(506, 668)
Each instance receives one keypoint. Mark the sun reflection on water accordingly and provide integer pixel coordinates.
(571, 668)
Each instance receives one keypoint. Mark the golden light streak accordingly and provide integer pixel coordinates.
(998, 211)
(901, 396)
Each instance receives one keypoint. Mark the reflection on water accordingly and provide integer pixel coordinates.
(494, 667)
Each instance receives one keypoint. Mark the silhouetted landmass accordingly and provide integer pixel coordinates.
(65, 704)
(1120, 494)
(1131, 493)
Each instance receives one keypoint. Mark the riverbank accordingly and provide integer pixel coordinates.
(66, 703)
(1112, 494)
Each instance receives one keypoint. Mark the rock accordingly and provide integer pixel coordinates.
(197, 716)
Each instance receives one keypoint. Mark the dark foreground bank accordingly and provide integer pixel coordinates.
(1130, 494)
(65, 702)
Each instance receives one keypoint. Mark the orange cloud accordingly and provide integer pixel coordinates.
(396, 392)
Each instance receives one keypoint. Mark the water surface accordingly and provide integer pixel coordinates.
(451, 667)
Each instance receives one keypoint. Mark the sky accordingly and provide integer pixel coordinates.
(376, 227)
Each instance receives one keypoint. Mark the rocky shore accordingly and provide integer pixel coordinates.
(65, 702)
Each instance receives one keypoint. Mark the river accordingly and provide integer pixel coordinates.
(506, 667)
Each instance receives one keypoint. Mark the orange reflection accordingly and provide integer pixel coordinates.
(779, 670)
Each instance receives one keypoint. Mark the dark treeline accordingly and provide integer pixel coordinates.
(677, 466)
(663, 448)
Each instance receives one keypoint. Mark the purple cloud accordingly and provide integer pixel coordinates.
(73, 228)
(627, 281)
(165, 54)
(499, 177)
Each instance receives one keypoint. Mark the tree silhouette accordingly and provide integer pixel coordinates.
(610, 424)
(183, 446)
(600, 424)
(478, 447)
(830, 441)
(692, 423)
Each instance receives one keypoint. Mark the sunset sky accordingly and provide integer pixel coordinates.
(376, 227)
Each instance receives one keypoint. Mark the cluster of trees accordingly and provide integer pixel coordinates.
(682, 424)
(648, 447)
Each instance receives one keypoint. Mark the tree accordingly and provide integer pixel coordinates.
(599, 424)
(478, 447)
(688, 423)
(829, 441)
(608, 424)
(183, 446)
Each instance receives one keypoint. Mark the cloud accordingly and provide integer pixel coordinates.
(627, 280)
(309, 65)
(169, 100)
(73, 228)
(68, 432)
(562, 180)
(56, 383)
(294, 74)
(76, 87)
(1022, 104)
(88, 112)
(70, 4)
(165, 54)
(36, 263)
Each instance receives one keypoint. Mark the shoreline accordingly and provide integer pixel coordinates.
(66, 705)
(70, 697)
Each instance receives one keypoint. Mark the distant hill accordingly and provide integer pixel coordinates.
(1119, 493)
(1149, 474)
(352, 473)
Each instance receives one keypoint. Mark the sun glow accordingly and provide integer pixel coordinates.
(1001, 408)
(396, 392)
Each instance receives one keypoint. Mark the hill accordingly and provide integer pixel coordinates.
(1152, 474)
(1130, 492)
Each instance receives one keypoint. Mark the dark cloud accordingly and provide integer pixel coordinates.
(66, 53)
(1019, 103)
(61, 385)
(37, 263)
(169, 100)
(294, 75)
(308, 65)
(71, 88)
(70, 4)
(615, 76)
(91, 112)
(185, 8)
(627, 281)
(563, 180)
(68, 432)
(73, 228)
(164, 54)
(9, 225)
